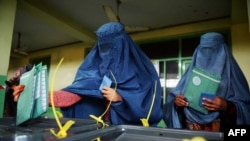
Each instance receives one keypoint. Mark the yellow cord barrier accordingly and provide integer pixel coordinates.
(99, 119)
(62, 129)
(145, 120)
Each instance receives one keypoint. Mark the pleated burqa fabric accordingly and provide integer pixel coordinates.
(213, 56)
(134, 74)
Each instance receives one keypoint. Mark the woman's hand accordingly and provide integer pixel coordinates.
(108, 93)
(218, 104)
(180, 101)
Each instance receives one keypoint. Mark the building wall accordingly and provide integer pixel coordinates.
(74, 54)
(241, 47)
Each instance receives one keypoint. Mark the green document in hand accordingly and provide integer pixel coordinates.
(33, 101)
(200, 82)
(41, 91)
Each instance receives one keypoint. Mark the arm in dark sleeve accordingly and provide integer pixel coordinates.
(229, 116)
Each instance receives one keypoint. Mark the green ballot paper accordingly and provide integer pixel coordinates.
(200, 82)
(33, 101)
(40, 91)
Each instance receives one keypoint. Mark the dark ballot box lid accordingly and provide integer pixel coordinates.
(39, 129)
(140, 133)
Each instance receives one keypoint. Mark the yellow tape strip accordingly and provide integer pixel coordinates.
(145, 120)
(99, 119)
(62, 129)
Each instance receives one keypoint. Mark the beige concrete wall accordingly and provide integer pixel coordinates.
(240, 35)
(7, 18)
(241, 47)
(74, 54)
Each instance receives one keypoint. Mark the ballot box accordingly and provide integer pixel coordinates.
(140, 133)
(39, 129)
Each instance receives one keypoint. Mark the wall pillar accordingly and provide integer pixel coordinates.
(7, 19)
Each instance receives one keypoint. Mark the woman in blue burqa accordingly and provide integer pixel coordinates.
(231, 104)
(116, 70)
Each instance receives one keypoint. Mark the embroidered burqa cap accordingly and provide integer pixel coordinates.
(116, 53)
(213, 56)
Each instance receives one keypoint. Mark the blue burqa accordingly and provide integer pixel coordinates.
(134, 74)
(213, 56)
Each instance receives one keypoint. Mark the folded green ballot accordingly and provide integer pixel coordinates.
(33, 100)
(198, 83)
